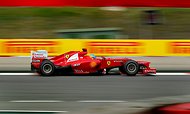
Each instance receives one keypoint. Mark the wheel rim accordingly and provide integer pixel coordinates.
(131, 67)
(47, 68)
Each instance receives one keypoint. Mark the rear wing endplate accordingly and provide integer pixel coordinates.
(39, 54)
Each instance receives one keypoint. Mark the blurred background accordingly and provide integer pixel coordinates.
(152, 30)
(95, 22)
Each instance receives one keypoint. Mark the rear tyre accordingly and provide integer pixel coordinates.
(32, 68)
(131, 68)
(47, 68)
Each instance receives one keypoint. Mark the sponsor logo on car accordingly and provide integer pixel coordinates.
(38, 55)
(76, 65)
(108, 62)
(67, 56)
(117, 61)
(74, 57)
(93, 64)
(76, 70)
(150, 71)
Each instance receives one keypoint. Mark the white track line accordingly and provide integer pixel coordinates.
(32, 74)
(17, 74)
(36, 101)
(169, 74)
(101, 101)
(57, 101)
(30, 111)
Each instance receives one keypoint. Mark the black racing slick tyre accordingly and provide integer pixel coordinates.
(47, 68)
(32, 68)
(131, 68)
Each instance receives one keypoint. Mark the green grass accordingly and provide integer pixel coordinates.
(28, 22)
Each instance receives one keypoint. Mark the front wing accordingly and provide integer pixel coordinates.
(149, 71)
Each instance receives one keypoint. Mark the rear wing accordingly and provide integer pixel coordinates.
(39, 54)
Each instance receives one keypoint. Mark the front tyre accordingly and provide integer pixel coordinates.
(47, 68)
(131, 68)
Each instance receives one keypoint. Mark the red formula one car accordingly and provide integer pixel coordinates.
(78, 62)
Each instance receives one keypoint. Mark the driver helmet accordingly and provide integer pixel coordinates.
(93, 56)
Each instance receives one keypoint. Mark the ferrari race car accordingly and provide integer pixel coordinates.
(78, 62)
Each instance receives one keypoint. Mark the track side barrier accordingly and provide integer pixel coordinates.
(22, 47)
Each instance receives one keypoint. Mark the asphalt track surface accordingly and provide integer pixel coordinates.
(71, 93)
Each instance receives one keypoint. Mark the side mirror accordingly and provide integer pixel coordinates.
(84, 49)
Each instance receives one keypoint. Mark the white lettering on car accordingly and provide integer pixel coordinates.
(74, 57)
